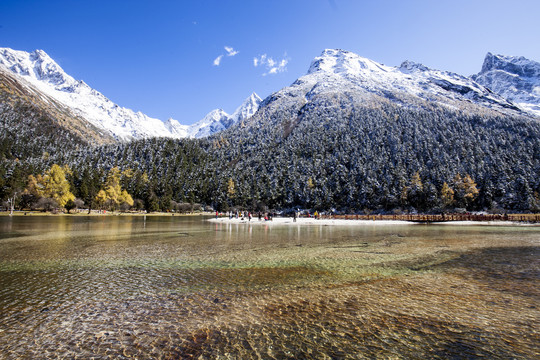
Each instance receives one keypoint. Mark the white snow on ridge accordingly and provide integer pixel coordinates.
(345, 70)
(122, 123)
(218, 120)
(39, 69)
(504, 84)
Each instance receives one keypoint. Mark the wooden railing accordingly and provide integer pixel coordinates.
(532, 218)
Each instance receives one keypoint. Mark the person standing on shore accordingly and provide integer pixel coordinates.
(294, 216)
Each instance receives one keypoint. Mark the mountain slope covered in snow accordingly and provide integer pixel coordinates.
(123, 124)
(33, 123)
(46, 75)
(339, 71)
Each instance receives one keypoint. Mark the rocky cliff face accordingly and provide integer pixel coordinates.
(514, 78)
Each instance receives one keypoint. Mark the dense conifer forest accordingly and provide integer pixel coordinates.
(382, 158)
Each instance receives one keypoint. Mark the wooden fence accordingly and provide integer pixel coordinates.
(425, 218)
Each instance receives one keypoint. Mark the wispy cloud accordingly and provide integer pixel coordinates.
(217, 60)
(230, 51)
(271, 65)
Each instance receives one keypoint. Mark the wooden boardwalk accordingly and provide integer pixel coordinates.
(435, 218)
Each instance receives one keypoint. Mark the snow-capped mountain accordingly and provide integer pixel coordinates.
(176, 129)
(218, 120)
(247, 109)
(346, 71)
(44, 73)
(33, 123)
(215, 121)
(340, 84)
(123, 124)
(514, 78)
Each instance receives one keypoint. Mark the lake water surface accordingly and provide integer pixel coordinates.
(152, 287)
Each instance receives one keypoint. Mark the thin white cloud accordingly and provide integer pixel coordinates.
(230, 51)
(271, 65)
(217, 60)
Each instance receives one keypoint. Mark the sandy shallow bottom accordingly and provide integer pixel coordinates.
(416, 317)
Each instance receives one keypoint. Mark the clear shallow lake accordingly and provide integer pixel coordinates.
(181, 287)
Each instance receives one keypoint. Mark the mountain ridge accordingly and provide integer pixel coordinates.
(513, 77)
(122, 123)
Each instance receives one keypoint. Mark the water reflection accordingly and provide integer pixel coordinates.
(179, 287)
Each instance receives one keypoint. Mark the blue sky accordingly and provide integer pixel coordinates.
(161, 57)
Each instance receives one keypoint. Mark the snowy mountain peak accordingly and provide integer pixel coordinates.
(517, 65)
(247, 109)
(513, 77)
(410, 66)
(337, 61)
(218, 120)
(37, 65)
(176, 129)
(215, 121)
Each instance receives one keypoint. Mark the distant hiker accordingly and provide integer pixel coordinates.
(294, 216)
(216, 214)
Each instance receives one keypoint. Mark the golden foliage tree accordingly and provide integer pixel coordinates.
(466, 190)
(55, 185)
(113, 195)
(447, 195)
(231, 189)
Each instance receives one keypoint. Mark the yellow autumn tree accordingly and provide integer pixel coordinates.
(113, 194)
(101, 198)
(466, 190)
(35, 186)
(231, 188)
(56, 186)
(310, 183)
(447, 195)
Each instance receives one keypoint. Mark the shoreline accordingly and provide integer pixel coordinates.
(108, 213)
(276, 221)
(354, 222)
